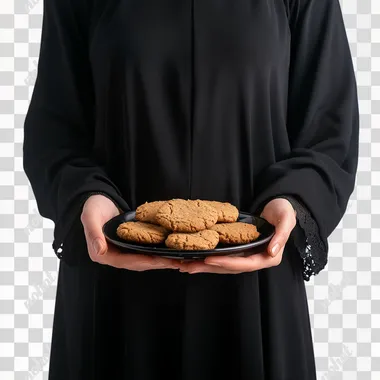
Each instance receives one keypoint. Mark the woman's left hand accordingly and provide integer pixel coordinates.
(280, 213)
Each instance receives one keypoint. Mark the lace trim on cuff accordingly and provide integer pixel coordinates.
(312, 249)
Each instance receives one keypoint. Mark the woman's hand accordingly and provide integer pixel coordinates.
(278, 212)
(98, 210)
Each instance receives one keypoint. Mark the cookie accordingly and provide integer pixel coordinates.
(147, 211)
(227, 213)
(141, 232)
(201, 240)
(181, 215)
(236, 233)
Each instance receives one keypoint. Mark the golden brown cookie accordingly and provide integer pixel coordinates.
(227, 213)
(181, 215)
(236, 233)
(201, 240)
(141, 232)
(147, 211)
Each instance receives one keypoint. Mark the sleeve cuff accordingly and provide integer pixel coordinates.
(63, 231)
(307, 239)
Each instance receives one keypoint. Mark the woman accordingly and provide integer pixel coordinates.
(250, 102)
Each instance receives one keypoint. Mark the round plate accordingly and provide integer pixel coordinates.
(266, 233)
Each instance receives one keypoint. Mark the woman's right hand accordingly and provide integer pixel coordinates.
(98, 210)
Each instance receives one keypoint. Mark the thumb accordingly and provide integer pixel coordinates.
(283, 229)
(92, 224)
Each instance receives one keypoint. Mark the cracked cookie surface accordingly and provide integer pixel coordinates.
(201, 240)
(236, 233)
(227, 213)
(147, 212)
(141, 232)
(181, 215)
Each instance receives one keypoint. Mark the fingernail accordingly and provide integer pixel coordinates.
(97, 246)
(275, 249)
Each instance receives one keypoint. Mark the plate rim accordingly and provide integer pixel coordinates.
(170, 252)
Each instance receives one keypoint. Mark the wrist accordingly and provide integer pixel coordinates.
(100, 193)
(290, 199)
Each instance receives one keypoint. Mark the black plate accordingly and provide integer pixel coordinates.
(266, 233)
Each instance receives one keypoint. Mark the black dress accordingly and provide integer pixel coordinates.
(238, 101)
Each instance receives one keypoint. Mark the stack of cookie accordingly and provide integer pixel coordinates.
(187, 225)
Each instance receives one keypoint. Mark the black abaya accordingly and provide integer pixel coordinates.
(239, 101)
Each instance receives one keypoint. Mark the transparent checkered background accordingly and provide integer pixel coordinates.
(344, 299)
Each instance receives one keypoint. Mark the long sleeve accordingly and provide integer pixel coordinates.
(322, 121)
(59, 125)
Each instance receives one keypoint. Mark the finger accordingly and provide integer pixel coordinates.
(96, 247)
(245, 264)
(136, 262)
(96, 242)
(283, 228)
(201, 267)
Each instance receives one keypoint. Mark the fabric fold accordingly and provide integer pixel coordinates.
(322, 121)
(58, 128)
